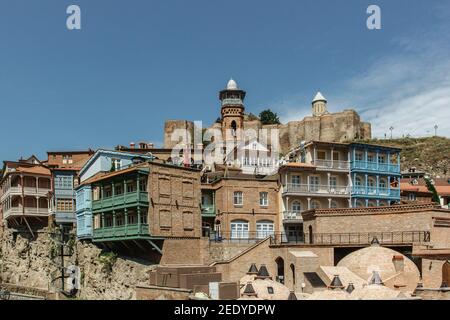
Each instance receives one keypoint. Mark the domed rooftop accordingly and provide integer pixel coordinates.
(395, 269)
(319, 97)
(232, 85)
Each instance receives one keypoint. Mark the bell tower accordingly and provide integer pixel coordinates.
(232, 100)
(319, 105)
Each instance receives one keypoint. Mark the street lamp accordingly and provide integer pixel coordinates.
(391, 128)
(435, 129)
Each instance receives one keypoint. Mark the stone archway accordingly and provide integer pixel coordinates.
(446, 273)
(280, 269)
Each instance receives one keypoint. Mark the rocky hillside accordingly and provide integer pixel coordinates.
(431, 154)
(28, 261)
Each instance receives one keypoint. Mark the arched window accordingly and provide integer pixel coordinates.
(239, 229)
(446, 274)
(233, 127)
(311, 236)
(296, 206)
(293, 274)
(280, 269)
(264, 228)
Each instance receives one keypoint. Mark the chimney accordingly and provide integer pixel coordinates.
(132, 145)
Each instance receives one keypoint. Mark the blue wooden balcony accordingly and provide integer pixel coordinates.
(388, 168)
(375, 192)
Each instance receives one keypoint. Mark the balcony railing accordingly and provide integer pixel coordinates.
(208, 210)
(376, 166)
(28, 211)
(122, 232)
(316, 189)
(292, 215)
(378, 192)
(332, 164)
(34, 191)
(384, 238)
(124, 199)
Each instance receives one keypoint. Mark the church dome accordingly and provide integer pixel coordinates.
(395, 269)
(232, 85)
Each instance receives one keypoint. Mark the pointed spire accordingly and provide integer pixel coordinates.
(319, 97)
(263, 273)
(376, 279)
(253, 269)
(350, 288)
(232, 85)
(249, 290)
(336, 283)
(292, 296)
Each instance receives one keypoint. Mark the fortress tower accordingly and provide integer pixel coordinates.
(232, 100)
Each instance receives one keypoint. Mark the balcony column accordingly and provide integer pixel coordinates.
(389, 162)
(114, 218)
(124, 186)
(138, 184)
(350, 203)
(332, 158)
(37, 204)
(214, 201)
(329, 203)
(125, 213)
(366, 183)
(398, 162)
(329, 181)
(377, 161)
(309, 203)
(101, 192)
(389, 185)
(287, 204)
(365, 159)
(103, 220)
(37, 184)
(113, 187)
(314, 155)
(139, 217)
(378, 202)
(367, 202)
(378, 185)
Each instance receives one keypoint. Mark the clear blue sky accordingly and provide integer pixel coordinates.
(137, 63)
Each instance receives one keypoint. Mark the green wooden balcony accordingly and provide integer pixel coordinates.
(119, 233)
(121, 201)
(208, 210)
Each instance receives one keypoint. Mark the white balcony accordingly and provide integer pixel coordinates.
(315, 189)
(293, 215)
(38, 192)
(332, 164)
(29, 211)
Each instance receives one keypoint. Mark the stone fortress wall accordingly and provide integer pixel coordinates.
(343, 126)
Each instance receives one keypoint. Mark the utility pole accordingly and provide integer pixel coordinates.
(391, 129)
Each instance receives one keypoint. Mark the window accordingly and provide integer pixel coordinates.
(333, 204)
(116, 164)
(412, 197)
(358, 182)
(108, 220)
(238, 198)
(270, 290)
(381, 158)
(295, 179)
(120, 219)
(67, 159)
(264, 229)
(263, 199)
(314, 183)
(63, 182)
(118, 189)
(108, 192)
(333, 182)
(359, 156)
(239, 229)
(370, 158)
(383, 183)
(132, 219)
(335, 156)
(131, 186)
(143, 184)
(296, 206)
(64, 205)
(321, 155)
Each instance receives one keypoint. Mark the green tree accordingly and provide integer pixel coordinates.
(432, 189)
(269, 117)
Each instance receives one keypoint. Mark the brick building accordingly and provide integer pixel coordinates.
(240, 206)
